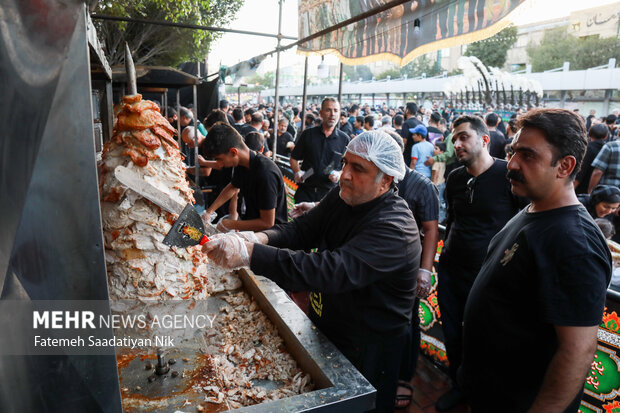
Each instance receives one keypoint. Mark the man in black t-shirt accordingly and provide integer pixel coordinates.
(479, 205)
(321, 148)
(539, 297)
(224, 108)
(257, 178)
(237, 115)
(285, 141)
(345, 126)
(598, 133)
(434, 134)
(410, 122)
(498, 140)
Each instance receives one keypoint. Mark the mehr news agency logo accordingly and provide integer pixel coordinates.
(82, 320)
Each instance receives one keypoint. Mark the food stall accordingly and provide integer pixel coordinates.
(53, 245)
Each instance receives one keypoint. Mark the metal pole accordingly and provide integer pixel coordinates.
(197, 178)
(340, 84)
(184, 26)
(275, 107)
(239, 95)
(304, 96)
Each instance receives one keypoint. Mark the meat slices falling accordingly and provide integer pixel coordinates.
(139, 264)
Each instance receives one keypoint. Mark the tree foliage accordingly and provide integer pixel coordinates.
(161, 45)
(268, 79)
(392, 73)
(494, 50)
(557, 47)
(354, 73)
(419, 66)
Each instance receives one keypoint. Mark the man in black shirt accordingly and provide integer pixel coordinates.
(398, 125)
(423, 200)
(410, 122)
(539, 297)
(434, 134)
(257, 177)
(224, 108)
(479, 205)
(598, 134)
(345, 126)
(285, 141)
(498, 140)
(363, 274)
(321, 149)
(255, 125)
(237, 115)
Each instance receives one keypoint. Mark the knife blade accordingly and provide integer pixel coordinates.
(136, 183)
(187, 230)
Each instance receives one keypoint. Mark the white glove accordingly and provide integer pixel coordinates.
(299, 176)
(220, 225)
(302, 208)
(423, 286)
(222, 228)
(227, 251)
(249, 236)
(207, 219)
(334, 176)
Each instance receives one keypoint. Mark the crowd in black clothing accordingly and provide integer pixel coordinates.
(468, 186)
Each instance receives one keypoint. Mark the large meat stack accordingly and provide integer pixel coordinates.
(139, 264)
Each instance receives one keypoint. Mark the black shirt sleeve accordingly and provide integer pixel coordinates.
(361, 261)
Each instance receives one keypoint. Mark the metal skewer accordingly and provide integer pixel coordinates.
(130, 69)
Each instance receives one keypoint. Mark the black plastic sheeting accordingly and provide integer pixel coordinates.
(51, 244)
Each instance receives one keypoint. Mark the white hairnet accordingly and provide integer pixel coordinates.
(381, 149)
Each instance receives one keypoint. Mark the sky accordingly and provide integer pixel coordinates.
(262, 16)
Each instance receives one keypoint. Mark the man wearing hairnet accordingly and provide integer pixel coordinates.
(363, 276)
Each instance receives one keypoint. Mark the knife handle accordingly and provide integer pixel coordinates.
(204, 240)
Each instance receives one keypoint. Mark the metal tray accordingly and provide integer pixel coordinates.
(338, 385)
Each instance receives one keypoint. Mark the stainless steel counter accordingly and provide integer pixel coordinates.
(338, 385)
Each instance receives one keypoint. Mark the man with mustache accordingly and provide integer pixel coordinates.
(320, 148)
(363, 276)
(538, 299)
(479, 205)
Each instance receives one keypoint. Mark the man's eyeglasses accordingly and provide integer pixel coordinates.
(469, 193)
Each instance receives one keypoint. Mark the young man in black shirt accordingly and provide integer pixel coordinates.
(434, 134)
(498, 140)
(598, 134)
(321, 149)
(410, 122)
(539, 297)
(479, 205)
(257, 177)
(345, 126)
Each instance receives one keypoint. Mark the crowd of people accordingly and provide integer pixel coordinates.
(525, 265)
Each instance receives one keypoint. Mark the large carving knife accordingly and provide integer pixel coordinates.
(188, 230)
